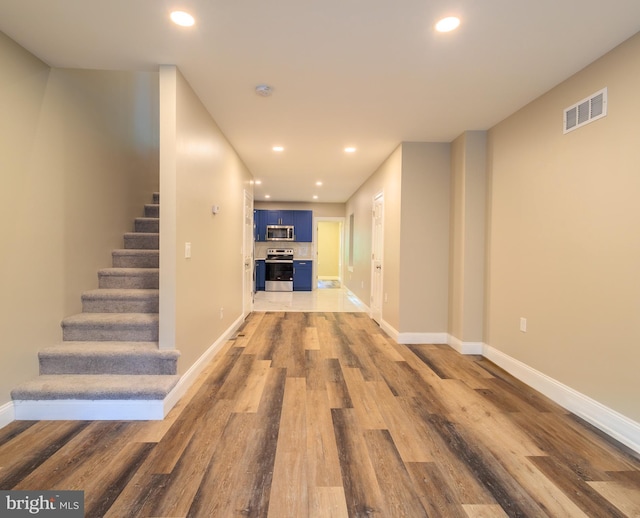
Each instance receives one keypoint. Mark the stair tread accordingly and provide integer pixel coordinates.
(129, 271)
(96, 386)
(107, 349)
(120, 293)
(136, 251)
(139, 234)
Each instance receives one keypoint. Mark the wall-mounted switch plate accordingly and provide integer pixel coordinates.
(187, 250)
(523, 324)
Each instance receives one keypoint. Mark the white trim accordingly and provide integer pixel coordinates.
(89, 410)
(7, 414)
(113, 409)
(189, 377)
(422, 338)
(465, 347)
(609, 421)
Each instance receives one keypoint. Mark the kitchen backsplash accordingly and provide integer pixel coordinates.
(300, 250)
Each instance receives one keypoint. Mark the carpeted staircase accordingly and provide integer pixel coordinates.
(109, 353)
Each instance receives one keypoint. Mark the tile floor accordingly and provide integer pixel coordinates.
(330, 300)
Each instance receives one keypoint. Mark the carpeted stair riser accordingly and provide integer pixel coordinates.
(148, 225)
(135, 258)
(152, 210)
(142, 240)
(108, 358)
(118, 327)
(129, 278)
(120, 301)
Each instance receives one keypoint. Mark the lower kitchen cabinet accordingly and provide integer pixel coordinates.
(261, 271)
(302, 275)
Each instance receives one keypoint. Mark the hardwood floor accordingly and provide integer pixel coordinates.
(322, 415)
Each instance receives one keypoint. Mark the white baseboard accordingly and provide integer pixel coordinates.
(422, 338)
(189, 377)
(89, 410)
(609, 421)
(7, 414)
(465, 347)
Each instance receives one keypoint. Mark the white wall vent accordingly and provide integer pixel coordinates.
(588, 110)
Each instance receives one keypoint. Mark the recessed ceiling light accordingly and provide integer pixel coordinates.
(267, 196)
(318, 183)
(183, 19)
(315, 196)
(277, 148)
(349, 150)
(258, 182)
(448, 24)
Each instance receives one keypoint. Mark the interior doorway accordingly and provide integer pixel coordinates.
(329, 239)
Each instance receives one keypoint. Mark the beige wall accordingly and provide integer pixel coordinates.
(415, 183)
(424, 241)
(328, 249)
(467, 243)
(200, 169)
(78, 159)
(385, 179)
(326, 210)
(564, 241)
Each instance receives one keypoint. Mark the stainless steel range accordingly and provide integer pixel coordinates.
(279, 269)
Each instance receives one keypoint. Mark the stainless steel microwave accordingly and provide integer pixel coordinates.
(280, 233)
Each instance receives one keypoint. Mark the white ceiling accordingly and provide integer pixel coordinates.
(365, 73)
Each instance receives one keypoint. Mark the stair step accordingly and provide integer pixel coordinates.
(151, 225)
(135, 278)
(95, 386)
(117, 327)
(108, 358)
(120, 301)
(152, 210)
(124, 258)
(142, 240)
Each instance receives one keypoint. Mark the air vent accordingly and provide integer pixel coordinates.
(588, 110)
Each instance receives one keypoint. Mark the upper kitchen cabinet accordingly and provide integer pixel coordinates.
(303, 225)
(301, 220)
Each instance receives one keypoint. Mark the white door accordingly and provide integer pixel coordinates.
(247, 256)
(377, 239)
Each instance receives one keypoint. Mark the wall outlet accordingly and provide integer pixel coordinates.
(523, 324)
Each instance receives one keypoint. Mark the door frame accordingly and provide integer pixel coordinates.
(248, 292)
(331, 219)
(376, 296)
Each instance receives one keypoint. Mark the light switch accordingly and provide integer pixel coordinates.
(187, 250)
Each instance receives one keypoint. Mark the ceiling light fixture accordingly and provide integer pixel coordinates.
(349, 150)
(318, 183)
(448, 24)
(183, 19)
(315, 196)
(278, 149)
(267, 196)
(264, 90)
(258, 182)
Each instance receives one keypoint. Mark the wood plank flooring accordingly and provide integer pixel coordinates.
(322, 415)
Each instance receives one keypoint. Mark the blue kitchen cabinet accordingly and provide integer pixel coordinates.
(302, 275)
(261, 271)
(303, 223)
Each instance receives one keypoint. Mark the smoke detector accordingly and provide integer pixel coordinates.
(264, 90)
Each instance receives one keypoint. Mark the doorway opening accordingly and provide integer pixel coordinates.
(329, 253)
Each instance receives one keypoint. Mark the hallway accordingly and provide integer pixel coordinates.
(310, 414)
